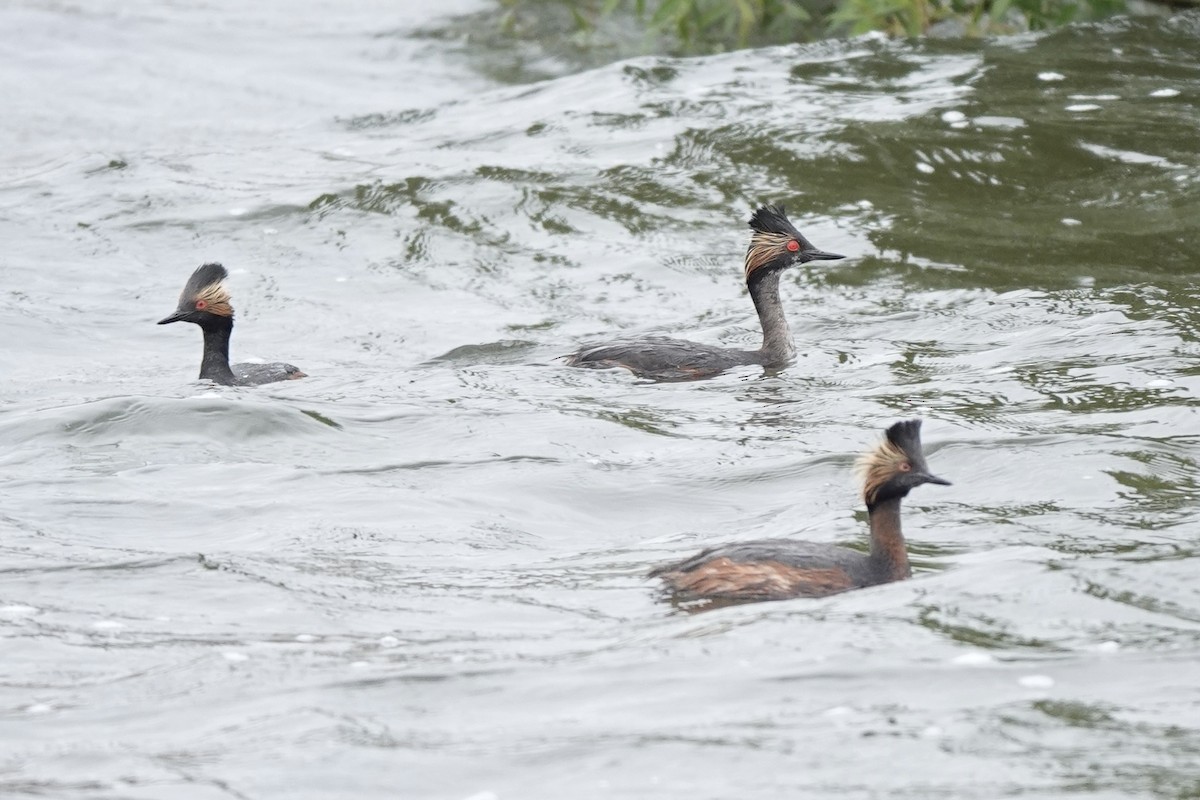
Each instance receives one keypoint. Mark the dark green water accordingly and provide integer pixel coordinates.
(417, 573)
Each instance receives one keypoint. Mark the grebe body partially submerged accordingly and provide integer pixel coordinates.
(205, 301)
(775, 245)
(779, 569)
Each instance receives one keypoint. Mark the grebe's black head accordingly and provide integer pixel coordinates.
(897, 465)
(776, 244)
(204, 298)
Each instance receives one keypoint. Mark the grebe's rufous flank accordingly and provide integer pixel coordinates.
(775, 245)
(205, 301)
(778, 569)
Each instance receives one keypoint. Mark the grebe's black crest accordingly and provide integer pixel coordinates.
(773, 219)
(204, 276)
(907, 436)
(897, 465)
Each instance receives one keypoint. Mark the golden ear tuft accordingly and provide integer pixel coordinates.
(878, 467)
(216, 299)
(765, 247)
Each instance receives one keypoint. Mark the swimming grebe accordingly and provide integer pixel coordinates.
(775, 245)
(778, 569)
(205, 301)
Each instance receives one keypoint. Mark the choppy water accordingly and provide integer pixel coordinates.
(417, 573)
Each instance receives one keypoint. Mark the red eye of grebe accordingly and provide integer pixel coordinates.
(201, 305)
(905, 467)
(793, 245)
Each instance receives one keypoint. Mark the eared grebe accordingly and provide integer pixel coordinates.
(205, 301)
(775, 245)
(778, 569)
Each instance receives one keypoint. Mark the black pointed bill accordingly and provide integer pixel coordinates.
(821, 255)
(176, 317)
(935, 479)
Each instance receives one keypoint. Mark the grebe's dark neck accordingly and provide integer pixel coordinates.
(215, 366)
(777, 348)
(889, 554)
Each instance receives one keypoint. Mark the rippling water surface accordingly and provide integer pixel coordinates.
(418, 573)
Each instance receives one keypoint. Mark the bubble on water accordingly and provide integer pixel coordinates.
(1070, 221)
(1051, 76)
(953, 116)
(235, 657)
(932, 732)
(923, 167)
(359, 664)
(108, 625)
(389, 641)
(305, 637)
(1165, 93)
(1159, 383)
(973, 659)
(837, 712)
(1083, 107)
(237, 212)
(865, 205)
(1086, 281)
(958, 125)
(39, 708)
(1095, 97)
(1035, 681)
